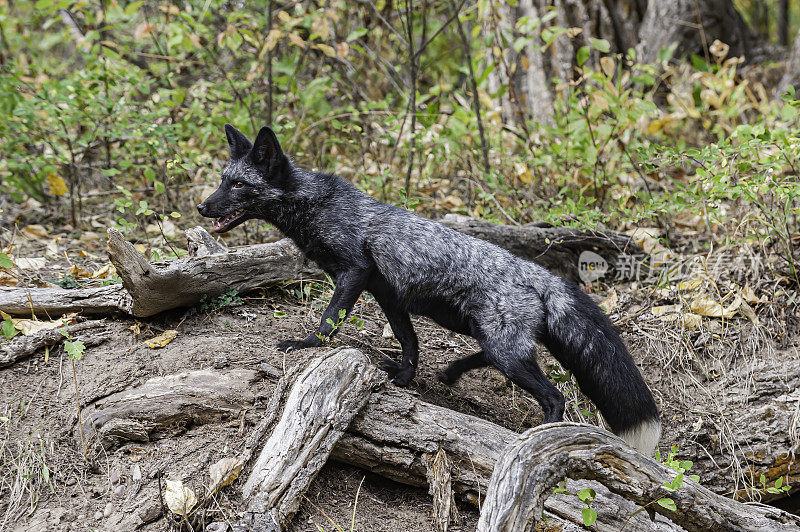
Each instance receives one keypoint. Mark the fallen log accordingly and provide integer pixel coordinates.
(164, 406)
(530, 468)
(159, 286)
(395, 435)
(315, 414)
(110, 299)
(91, 333)
(556, 248)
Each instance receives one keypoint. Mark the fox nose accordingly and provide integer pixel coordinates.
(201, 208)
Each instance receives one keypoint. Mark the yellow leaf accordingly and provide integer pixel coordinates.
(162, 339)
(342, 49)
(283, 16)
(180, 499)
(57, 185)
(705, 306)
(105, 272)
(297, 40)
(608, 65)
(749, 295)
(690, 285)
(327, 50)
(28, 327)
(78, 272)
(224, 472)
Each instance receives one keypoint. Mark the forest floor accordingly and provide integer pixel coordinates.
(691, 373)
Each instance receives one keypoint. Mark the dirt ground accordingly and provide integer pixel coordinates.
(52, 487)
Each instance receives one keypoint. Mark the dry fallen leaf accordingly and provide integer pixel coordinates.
(105, 272)
(30, 263)
(705, 306)
(691, 320)
(162, 339)
(224, 472)
(78, 273)
(180, 499)
(34, 231)
(28, 327)
(610, 302)
(665, 309)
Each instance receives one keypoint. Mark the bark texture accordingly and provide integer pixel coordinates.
(694, 25)
(535, 463)
(164, 406)
(316, 412)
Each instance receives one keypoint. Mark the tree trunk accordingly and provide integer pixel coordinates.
(644, 25)
(792, 72)
(694, 25)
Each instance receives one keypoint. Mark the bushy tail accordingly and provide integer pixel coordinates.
(582, 339)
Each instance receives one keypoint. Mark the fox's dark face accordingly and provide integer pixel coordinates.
(254, 178)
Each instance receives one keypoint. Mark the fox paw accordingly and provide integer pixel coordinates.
(288, 346)
(398, 374)
(446, 378)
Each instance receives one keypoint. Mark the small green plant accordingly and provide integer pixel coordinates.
(229, 298)
(777, 488)
(74, 349)
(587, 497)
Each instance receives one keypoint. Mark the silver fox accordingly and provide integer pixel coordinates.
(412, 265)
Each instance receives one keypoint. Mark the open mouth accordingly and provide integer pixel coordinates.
(228, 222)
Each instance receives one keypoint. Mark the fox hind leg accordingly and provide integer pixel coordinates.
(518, 364)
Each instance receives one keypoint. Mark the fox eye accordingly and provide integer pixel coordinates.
(238, 184)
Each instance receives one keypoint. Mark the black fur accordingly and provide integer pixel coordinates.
(412, 265)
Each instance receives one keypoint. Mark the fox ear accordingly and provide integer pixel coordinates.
(237, 142)
(266, 147)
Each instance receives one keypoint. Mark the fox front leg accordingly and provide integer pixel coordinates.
(349, 286)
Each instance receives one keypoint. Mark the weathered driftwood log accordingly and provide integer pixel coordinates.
(166, 405)
(535, 463)
(160, 286)
(57, 301)
(556, 248)
(315, 414)
(91, 333)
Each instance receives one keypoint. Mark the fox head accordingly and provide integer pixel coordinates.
(255, 178)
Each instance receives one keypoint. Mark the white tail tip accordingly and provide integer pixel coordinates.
(644, 436)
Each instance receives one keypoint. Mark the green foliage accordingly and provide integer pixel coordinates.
(229, 298)
(5, 261)
(8, 329)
